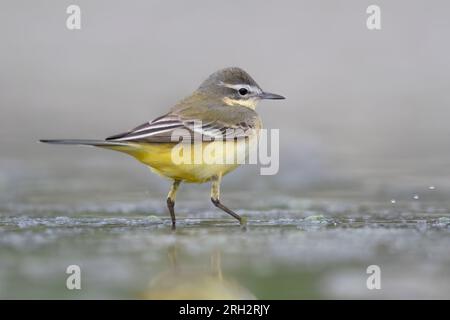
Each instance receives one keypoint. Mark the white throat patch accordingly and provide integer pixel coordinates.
(249, 103)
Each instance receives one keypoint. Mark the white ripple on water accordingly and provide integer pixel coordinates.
(26, 222)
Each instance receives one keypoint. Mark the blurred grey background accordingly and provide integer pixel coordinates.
(366, 112)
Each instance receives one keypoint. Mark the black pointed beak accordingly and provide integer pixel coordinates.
(272, 96)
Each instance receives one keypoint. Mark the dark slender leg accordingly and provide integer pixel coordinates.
(171, 206)
(171, 201)
(217, 203)
(215, 193)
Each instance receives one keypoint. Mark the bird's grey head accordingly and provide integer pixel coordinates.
(234, 86)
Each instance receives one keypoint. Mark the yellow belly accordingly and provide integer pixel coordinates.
(191, 163)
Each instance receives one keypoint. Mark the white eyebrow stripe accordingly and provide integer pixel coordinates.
(239, 86)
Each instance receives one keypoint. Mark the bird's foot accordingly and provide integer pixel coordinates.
(243, 223)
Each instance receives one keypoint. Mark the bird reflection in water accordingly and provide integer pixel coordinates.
(180, 283)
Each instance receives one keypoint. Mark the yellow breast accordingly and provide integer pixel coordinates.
(197, 162)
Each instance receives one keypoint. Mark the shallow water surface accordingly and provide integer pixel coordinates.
(291, 249)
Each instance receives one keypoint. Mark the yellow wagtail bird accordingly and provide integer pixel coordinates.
(221, 110)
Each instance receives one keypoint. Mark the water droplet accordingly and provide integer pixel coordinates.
(393, 201)
(431, 188)
(416, 197)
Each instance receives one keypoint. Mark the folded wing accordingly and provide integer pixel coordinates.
(171, 128)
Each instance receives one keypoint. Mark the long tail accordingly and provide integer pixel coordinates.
(96, 143)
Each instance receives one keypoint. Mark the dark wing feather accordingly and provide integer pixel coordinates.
(194, 125)
(158, 130)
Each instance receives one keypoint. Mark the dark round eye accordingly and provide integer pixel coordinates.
(243, 91)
